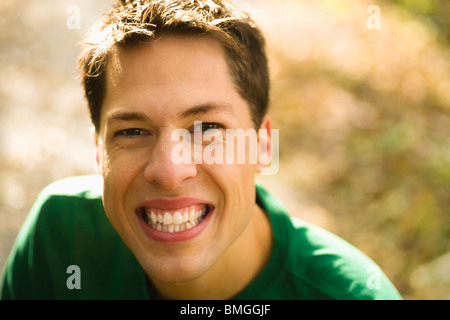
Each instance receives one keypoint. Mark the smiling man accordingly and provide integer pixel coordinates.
(150, 228)
(203, 223)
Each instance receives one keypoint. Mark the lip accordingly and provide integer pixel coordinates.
(171, 204)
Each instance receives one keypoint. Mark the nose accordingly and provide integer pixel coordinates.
(162, 171)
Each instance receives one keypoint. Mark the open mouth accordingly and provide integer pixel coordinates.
(174, 220)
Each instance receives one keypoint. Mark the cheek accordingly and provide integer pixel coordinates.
(119, 170)
(239, 201)
(119, 176)
(236, 184)
(119, 164)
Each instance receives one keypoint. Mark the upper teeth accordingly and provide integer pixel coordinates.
(174, 221)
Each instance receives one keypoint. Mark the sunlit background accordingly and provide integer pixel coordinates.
(360, 95)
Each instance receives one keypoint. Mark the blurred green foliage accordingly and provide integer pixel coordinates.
(433, 12)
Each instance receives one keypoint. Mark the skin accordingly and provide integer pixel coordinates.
(164, 82)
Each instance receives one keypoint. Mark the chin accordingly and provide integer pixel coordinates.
(176, 270)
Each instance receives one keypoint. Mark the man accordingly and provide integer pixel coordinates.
(151, 228)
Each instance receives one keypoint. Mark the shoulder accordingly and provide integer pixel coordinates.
(66, 225)
(67, 205)
(89, 187)
(332, 267)
(320, 265)
(81, 195)
(64, 209)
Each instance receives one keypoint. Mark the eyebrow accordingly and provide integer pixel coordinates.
(206, 108)
(120, 115)
(126, 116)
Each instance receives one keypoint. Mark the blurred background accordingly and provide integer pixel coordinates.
(360, 94)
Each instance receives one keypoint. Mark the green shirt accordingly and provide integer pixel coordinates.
(68, 226)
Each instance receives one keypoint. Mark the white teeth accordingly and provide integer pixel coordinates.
(177, 218)
(167, 218)
(181, 220)
(192, 216)
(153, 217)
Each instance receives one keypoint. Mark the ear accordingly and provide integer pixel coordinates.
(264, 144)
(94, 137)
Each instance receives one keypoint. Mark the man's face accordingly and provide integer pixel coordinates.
(178, 219)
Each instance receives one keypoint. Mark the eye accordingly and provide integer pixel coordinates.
(211, 132)
(130, 132)
(208, 125)
(132, 137)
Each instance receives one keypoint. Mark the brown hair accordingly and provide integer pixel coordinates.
(135, 21)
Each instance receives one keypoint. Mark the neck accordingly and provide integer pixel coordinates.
(239, 265)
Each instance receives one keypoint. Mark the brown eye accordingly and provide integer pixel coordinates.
(208, 125)
(130, 132)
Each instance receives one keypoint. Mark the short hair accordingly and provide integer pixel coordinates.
(131, 22)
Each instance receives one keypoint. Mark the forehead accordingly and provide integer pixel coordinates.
(168, 57)
(172, 73)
